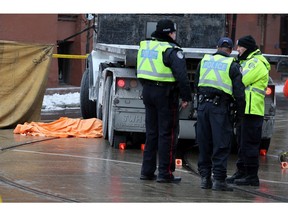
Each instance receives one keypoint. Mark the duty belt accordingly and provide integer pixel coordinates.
(157, 83)
(205, 98)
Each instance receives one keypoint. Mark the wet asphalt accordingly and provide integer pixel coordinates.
(83, 170)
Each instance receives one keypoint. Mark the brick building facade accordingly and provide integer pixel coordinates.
(64, 31)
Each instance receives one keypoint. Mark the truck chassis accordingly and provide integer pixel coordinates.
(110, 91)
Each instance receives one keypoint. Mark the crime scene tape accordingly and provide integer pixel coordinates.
(68, 56)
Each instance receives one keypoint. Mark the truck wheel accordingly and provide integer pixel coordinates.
(114, 137)
(88, 107)
(110, 120)
(105, 108)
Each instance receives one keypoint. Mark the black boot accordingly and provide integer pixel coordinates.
(219, 185)
(206, 183)
(250, 179)
(237, 175)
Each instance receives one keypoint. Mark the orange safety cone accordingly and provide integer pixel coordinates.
(122, 146)
(178, 162)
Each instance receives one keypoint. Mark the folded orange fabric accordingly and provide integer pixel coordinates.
(63, 127)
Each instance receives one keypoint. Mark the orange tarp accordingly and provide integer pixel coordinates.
(63, 127)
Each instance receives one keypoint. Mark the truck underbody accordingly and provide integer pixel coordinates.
(114, 95)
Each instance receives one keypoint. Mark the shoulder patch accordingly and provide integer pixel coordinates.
(251, 65)
(180, 54)
(241, 69)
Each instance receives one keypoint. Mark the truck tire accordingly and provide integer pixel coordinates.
(114, 137)
(111, 133)
(105, 108)
(88, 107)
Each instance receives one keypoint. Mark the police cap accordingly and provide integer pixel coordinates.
(165, 26)
(225, 42)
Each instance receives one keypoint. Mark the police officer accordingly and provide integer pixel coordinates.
(218, 84)
(255, 78)
(161, 68)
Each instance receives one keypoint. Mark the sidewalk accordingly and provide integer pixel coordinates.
(66, 108)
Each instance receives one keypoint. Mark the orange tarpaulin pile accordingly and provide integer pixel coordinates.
(63, 127)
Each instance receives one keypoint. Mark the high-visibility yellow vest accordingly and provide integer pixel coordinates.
(255, 77)
(150, 62)
(214, 72)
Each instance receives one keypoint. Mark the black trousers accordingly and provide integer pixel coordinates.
(162, 129)
(249, 139)
(214, 136)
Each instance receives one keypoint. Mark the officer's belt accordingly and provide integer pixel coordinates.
(157, 83)
(205, 96)
(213, 98)
(210, 99)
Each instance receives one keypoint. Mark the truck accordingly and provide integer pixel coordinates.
(110, 90)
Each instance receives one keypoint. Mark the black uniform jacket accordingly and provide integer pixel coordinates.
(175, 59)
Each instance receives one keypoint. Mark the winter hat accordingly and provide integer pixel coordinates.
(225, 42)
(165, 26)
(248, 42)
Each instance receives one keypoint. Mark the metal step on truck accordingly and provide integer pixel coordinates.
(110, 90)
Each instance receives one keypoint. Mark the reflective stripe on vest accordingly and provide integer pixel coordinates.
(150, 62)
(214, 72)
(250, 88)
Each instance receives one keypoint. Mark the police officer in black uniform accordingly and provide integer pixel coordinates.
(161, 68)
(218, 83)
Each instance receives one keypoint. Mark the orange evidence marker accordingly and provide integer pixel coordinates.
(284, 165)
(122, 146)
(178, 162)
(263, 152)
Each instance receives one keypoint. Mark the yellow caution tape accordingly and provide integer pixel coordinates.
(70, 56)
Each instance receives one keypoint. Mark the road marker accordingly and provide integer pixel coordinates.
(178, 162)
(122, 146)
